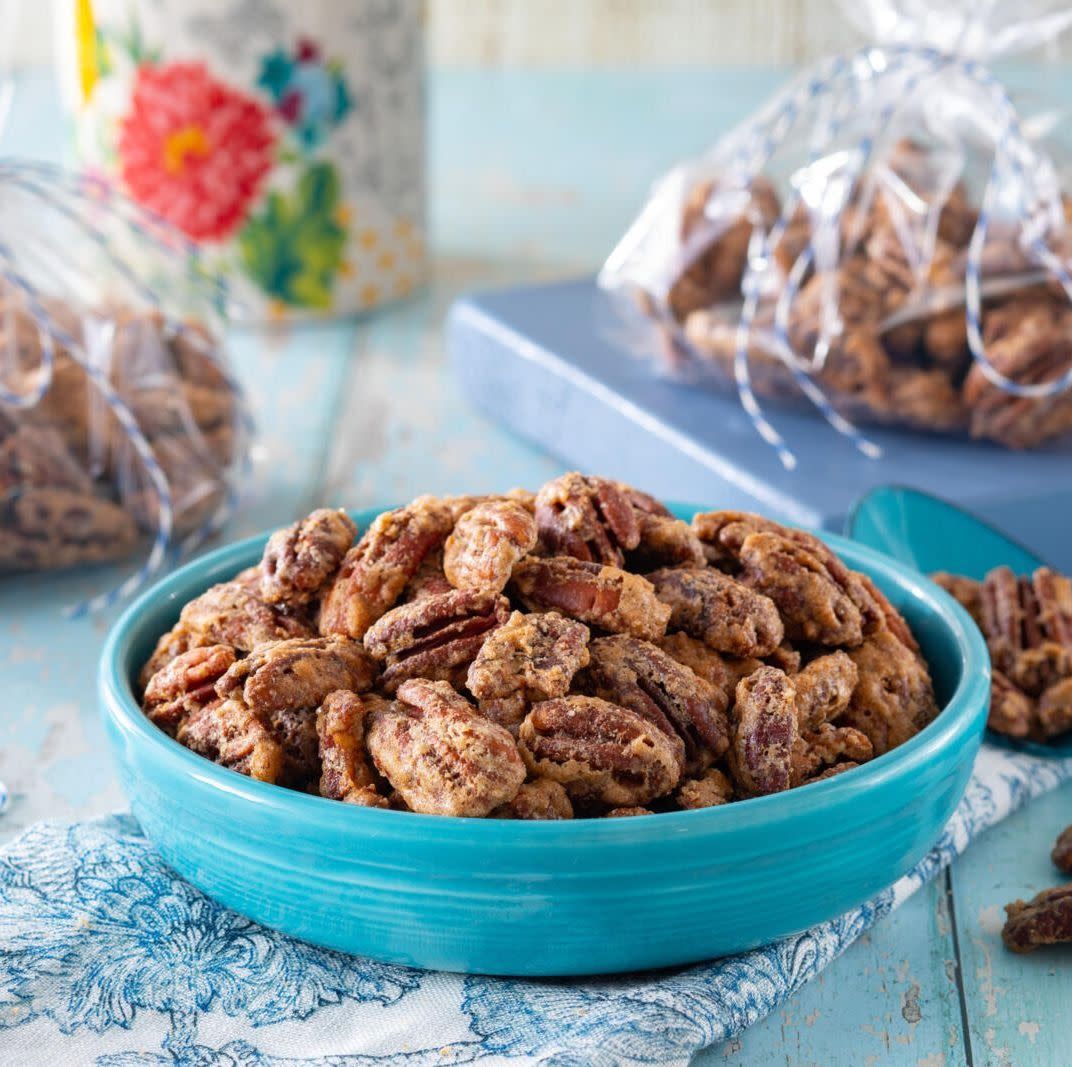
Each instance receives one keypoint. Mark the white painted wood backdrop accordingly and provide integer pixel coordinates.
(579, 33)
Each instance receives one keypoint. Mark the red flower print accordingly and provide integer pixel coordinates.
(193, 149)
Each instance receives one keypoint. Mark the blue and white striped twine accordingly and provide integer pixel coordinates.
(40, 180)
(1016, 164)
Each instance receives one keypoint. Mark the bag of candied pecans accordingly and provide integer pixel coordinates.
(888, 239)
(121, 428)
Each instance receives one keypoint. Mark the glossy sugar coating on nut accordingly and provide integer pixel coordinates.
(300, 560)
(345, 773)
(375, 571)
(712, 789)
(602, 596)
(827, 746)
(893, 699)
(486, 543)
(761, 754)
(298, 673)
(1044, 920)
(600, 752)
(541, 799)
(186, 683)
(824, 688)
(440, 755)
(589, 518)
(718, 610)
(528, 659)
(435, 637)
(637, 675)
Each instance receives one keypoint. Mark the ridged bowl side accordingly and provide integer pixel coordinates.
(583, 897)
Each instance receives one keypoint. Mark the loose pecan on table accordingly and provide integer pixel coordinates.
(1046, 919)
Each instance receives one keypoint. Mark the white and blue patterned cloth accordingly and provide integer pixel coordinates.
(108, 958)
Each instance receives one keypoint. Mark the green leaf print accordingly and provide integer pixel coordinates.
(293, 248)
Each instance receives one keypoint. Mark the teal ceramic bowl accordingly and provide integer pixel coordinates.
(551, 898)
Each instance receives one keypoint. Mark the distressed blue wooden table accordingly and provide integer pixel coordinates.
(532, 176)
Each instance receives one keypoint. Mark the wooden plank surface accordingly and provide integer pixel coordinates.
(533, 176)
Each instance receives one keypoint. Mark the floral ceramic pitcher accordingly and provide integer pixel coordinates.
(286, 139)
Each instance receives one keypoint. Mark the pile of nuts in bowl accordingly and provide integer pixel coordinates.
(574, 652)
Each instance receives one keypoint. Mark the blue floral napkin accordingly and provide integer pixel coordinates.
(106, 957)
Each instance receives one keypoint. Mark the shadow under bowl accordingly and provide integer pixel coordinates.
(547, 898)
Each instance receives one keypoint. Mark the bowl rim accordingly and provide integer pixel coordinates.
(963, 716)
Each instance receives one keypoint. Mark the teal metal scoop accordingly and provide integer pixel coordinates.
(930, 534)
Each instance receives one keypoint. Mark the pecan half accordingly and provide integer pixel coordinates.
(1044, 920)
(185, 684)
(718, 610)
(588, 518)
(828, 746)
(893, 699)
(710, 790)
(231, 734)
(1062, 851)
(637, 675)
(299, 560)
(440, 755)
(234, 614)
(1012, 712)
(602, 596)
(487, 542)
(541, 799)
(436, 637)
(345, 773)
(528, 659)
(298, 673)
(1055, 710)
(761, 755)
(824, 688)
(599, 751)
(375, 571)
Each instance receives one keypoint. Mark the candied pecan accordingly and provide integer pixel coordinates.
(761, 754)
(705, 662)
(927, 399)
(436, 637)
(541, 799)
(718, 610)
(528, 659)
(1012, 712)
(38, 456)
(294, 729)
(827, 746)
(832, 772)
(1044, 920)
(665, 542)
(298, 673)
(173, 643)
(627, 813)
(440, 755)
(639, 676)
(588, 518)
(945, 337)
(893, 699)
(428, 581)
(233, 614)
(299, 560)
(813, 605)
(966, 591)
(234, 736)
(1062, 851)
(711, 789)
(375, 571)
(486, 543)
(345, 773)
(188, 681)
(824, 688)
(1055, 709)
(1029, 344)
(600, 751)
(602, 596)
(459, 505)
